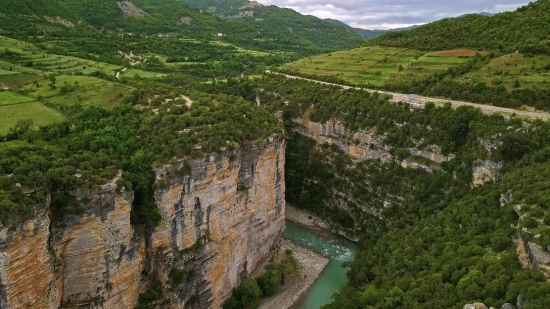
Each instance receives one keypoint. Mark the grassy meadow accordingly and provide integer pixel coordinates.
(377, 66)
(26, 92)
(38, 112)
(515, 70)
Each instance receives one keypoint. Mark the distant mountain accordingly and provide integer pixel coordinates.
(367, 33)
(525, 30)
(482, 13)
(246, 24)
(216, 6)
(282, 23)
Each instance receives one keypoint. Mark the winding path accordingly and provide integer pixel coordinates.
(420, 100)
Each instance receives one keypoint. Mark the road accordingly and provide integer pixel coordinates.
(420, 100)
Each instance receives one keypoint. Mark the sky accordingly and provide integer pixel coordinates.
(387, 14)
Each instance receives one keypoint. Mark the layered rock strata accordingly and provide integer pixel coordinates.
(222, 218)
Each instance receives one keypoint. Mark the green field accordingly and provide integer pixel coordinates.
(83, 89)
(376, 65)
(11, 98)
(143, 74)
(36, 111)
(528, 71)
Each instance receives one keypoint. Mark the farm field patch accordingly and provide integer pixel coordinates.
(376, 65)
(35, 111)
(11, 98)
(514, 71)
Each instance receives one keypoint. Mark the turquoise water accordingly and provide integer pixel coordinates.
(334, 275)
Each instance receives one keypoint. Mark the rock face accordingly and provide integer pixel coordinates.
(485, 171)
(539, 259)
(222, 218)
(367, 145)
(27, 268)
(129, 9)
(233, 206)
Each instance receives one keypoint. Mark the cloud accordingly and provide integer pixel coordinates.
(376, 14)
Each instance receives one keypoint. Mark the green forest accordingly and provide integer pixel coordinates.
(443, 244)
(525, 30)
(88, 92)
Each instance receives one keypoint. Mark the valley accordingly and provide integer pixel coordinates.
(150, 151)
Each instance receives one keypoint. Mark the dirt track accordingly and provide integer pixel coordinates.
(487, 109)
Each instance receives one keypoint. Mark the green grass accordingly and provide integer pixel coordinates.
(85, 89)
(240, 49)
(380, 65)
(375, 65)
(11, 98)
(36, 111)
(143, 74)
(20, 143)
(529, 71)
(44, 63)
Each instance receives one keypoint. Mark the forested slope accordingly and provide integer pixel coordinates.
(280, 30)
(216, 6)
(437, 241)
(525, 30)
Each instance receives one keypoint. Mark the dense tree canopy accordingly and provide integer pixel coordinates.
(525, 30)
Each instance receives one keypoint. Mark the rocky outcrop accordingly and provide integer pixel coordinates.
(241, 14)
(222, 217)
(485, 171)
(100, 255)
(27, 267)
(93, 259)
(129, 9)
(367, 145)
(482, 306)
(250, 5)
(539, 259)
(232, 205)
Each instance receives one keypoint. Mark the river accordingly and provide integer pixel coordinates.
(330, 280)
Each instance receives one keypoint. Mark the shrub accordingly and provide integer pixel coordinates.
(529, 222)
(268, 283)
(248, 294)
(232, 303)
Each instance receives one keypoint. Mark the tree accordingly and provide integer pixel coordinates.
(52, 80)
(514, 146)
(400, 68)
(10, 210)
(268, 283)
(248, 293)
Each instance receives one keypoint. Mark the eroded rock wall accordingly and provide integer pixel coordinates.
(222, 217)
(367, 145)
(233, 205)
(27, 267)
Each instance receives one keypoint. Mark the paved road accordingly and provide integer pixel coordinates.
(420, 100)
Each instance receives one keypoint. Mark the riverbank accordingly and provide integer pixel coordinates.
(305, 218)
(313, 264)
(313, 222)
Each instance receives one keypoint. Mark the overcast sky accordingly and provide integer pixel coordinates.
(385, 14)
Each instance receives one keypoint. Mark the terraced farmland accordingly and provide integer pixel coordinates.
(377, 65)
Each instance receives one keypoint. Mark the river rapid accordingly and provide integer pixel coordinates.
(338, 249)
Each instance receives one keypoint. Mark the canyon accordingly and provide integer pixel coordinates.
(222, 219)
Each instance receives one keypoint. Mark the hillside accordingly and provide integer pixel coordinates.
(525, 30)
(499, 60)
(285, 24)
(216, 6)
(280, 30)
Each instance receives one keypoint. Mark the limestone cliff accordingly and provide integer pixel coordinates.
(222, 218)
(367, 145)
(232, 205)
